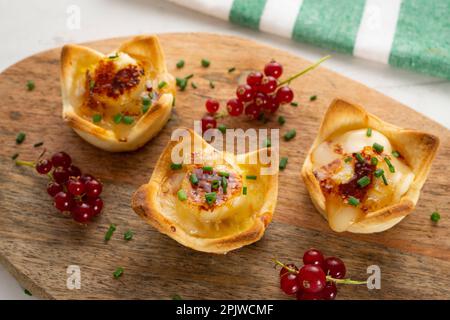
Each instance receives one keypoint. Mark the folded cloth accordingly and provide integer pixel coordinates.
(410, 34)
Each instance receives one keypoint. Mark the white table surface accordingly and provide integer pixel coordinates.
(27, 27)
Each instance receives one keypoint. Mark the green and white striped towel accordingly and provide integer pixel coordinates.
(411, 34)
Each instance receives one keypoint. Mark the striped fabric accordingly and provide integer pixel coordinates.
(411, 34)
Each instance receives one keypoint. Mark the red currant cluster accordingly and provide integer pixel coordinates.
(71, 190)
(316, 279)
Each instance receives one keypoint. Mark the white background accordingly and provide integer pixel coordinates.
(27, 27)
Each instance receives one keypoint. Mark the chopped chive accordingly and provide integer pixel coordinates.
(395, 154)
(182, 196)
(15, 156)
(250, 177)
(205, 63)
(145, 108)
(224, 184)
(353, 201)
(378, 173)
(435, 216)
(146, 101)
(223, 174)
(114, 56)
(391, 167)
(378, 147)
(374, 161)
(162, 84)
(232, 69)
(222, 128)
(28, 293)
(290, 134)
(348, 159)
(281, 120)
(283, 163)
(128, 235)
(118, 273)
(96, 118)
(109, 233)
(189, 76)
(267, 143)
(117, 118)
(193, 178)
(294, 104)
(215, 184)
(211, 84)
(181, 83)
(127, 119)
(180, 64)
(193, 85)
(384, 179)
(176, 297)
(173, 102)
(38, 144)
(359, 157)
(210, 197)
(363, 182)
(30, 85)
(244, 190)
(369, 132)
(207, 169)
(20, 137)
(176, 166)
(313, 98)
(91, 84)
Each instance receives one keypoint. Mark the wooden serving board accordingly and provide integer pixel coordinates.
(37, 244)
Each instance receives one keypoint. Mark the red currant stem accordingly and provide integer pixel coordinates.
(313, 66)
(25, 163)
(329, 278)
(220, 115)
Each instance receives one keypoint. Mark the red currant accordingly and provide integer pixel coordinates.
(63, 201)
(254, 79)
(330, 291)
(208, 122)
(74, 171)
(268, 85)
(261, 100)
(53, 188)
(44, 166)
(235, 107)
(60, 175)
(272, 105)
(311, 279)
(315, 257)
(273, 69)
(334, 267)
(289, 284)
(86, 177)
(82, 212)
(285, 95)
(75, 187)
(61, 159)
(93, 188)
(253, 111)
(285, 271)
(96, 205)
(212, 105)
(245, 92)
(308, 296)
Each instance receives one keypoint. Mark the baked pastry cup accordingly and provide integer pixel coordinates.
(175, 200)
(348, 187)
(117, 101)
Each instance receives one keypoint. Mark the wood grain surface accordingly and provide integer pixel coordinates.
(37, 244)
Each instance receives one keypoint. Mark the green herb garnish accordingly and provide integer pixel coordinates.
(363, 182)
(395, 154)
(378, 173)
(162, 84)
(193, 178)
(232, 69)
(205, 63)
(110, 232)
(313, 98)
(224, 184)
(388, 162)
(374, 161)
(30, 85)
(176, 166)
(250, 177)
(128, 235)
(359, 157)
(145, 108)
(210, 197)
(181, 83)
(91, 84)
(348, 159)
(20, 137)
(15, 156)
(180, 64)
(211, 84)
(146, 101)
(193, 85)
(127, 120)
(244, 191)
(281, 120)
(118, 273)
(435, 216)
(378, 147)
(207, 169)
(384, 179)
(176, 297)
(114, 56)
(117, 118)
(28, 293)
(182, 196)
(96, 118)
(353, 201)
(267, 143)
(38, 144)
(283, 163)
(222, 128)
(223, 174)
(215, 184)
(369, 132)
(290, 134)
(294, 104)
